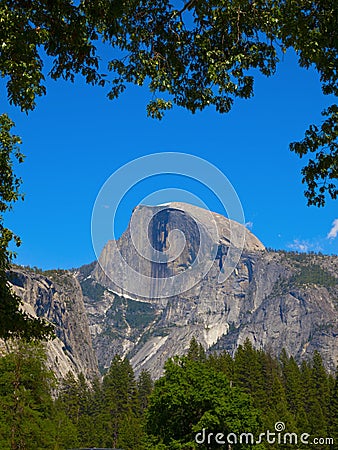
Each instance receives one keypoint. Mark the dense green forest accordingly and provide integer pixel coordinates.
(202, 401)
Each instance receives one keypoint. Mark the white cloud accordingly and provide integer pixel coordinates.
(299, 245)
(249, 225)
(332, 234)
(106, 206)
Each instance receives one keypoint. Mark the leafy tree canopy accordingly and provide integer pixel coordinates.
(193, 54)
(192, 396)
(13, 321)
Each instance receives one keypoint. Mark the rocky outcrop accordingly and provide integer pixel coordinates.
(57, 297)
(293, 304)
(166, 249)
(276, 299)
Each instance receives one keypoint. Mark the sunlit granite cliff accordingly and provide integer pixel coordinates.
(275, 299)
(57, 296)
(202, 275)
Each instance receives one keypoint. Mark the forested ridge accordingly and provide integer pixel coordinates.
(248, 393)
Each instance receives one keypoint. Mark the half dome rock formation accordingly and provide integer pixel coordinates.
(276, 299)
(167, 249)
(185, 272)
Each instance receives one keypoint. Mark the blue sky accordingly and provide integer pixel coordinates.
(76, 138)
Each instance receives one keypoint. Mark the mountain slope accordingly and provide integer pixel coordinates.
(276, 299)
(57, 296)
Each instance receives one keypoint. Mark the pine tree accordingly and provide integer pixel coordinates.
(196, 351)
(86, 424)
(26, 404)
(64, 432)
(293, 389)
(222, 363)
(274, 403)
(333, 413)
(145, 386)
(248, 372)
(306, 401)
(95, 412)
(320, 396)
(321, 380)
(68, 399)
(121, 407)
(314, 384)
(78, 403)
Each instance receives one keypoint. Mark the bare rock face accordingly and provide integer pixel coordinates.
(57, 297)
(292, 304)
(151, 258)
(276, 299)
